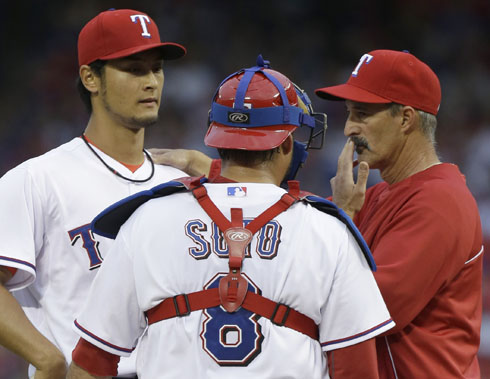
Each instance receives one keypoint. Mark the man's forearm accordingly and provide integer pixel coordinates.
(18, 335)
(76, 372)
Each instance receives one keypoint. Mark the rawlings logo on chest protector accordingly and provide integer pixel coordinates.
(238, 235)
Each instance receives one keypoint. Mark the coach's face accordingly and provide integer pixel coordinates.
(378, 139)
(131, 89)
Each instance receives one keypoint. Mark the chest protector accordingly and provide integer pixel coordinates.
(232, 292)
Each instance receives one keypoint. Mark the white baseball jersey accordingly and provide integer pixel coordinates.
(303, 258)
(47, 205)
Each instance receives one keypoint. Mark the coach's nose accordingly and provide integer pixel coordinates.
(351, 127)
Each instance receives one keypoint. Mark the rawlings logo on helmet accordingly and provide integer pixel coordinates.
(238, 117)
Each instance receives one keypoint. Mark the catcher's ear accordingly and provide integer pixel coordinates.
(287, 146)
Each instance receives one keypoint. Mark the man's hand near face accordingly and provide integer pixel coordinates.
(348, 194)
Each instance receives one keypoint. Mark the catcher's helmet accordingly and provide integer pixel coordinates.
(258, 108)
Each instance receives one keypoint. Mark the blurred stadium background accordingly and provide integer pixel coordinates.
(315, 43)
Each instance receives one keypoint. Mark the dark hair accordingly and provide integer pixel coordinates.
(85, 95)
(247, 158)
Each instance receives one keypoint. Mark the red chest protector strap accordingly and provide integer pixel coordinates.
(232, 292)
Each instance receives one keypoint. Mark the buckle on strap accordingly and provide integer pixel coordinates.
(288, 199)
(178, 312)
(200, 193)
(277, 312)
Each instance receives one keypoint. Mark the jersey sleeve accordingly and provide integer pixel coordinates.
(96, 361)
(354, 310)
(21, 225)
(111, 318)
(421, 249)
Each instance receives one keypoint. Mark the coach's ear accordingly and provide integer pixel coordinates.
(89, 79)
(408, 119)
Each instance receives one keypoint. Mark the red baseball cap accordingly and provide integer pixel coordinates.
(388, 76)
(118, 33)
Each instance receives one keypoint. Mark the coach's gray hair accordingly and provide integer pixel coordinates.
(428, 121)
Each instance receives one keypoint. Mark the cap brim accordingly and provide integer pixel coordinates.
(261, 138)
(350, 92)
(170, 51)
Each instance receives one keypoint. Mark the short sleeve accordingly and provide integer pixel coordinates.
(111, 318)
(422, 249)
(21, 226)
(355, 310)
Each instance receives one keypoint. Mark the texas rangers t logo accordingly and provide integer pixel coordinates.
(366, 58)
(143, 19)
(89, 243)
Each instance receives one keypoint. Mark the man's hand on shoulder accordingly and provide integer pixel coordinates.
(192, 162)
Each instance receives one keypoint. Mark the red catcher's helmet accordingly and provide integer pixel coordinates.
(255, 109)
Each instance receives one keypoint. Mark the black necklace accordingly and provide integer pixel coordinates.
(115, 172)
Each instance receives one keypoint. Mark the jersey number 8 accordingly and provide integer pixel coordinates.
(231, 339)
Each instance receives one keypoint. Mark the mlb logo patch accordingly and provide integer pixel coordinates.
(237, 191)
